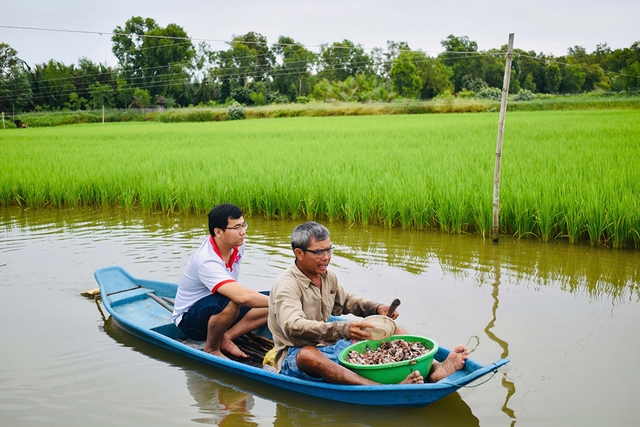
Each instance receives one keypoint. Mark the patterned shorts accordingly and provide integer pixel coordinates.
(290, 366)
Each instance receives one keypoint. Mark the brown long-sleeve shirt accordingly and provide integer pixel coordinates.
(299, 311)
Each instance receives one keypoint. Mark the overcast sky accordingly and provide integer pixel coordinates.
(549, 26)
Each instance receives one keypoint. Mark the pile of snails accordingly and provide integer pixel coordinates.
(392, 351)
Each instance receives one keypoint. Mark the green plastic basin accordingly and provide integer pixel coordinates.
(391, 373)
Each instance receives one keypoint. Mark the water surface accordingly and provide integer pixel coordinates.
(565, 316)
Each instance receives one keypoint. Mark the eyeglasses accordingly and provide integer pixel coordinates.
(238, 227)
(319, 253)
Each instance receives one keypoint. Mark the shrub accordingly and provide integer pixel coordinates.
(524, 95)
(476, 84)
(490, 93)
(235, 112)
(258, 98)
(466, 93)
(277, 98)
(242, 95)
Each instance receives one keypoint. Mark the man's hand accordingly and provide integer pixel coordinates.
(360, 330)
(383, 310)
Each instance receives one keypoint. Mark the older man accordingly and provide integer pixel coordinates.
(300, 304)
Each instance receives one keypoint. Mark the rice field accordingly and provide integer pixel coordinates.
(565, 175)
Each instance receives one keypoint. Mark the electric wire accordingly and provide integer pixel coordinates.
(272, 70)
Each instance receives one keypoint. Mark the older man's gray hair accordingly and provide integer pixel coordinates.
(302, 234)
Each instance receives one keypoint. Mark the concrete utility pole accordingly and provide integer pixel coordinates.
(503, 112)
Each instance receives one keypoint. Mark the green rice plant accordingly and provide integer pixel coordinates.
(620, 229)
(290, 203)
(389, 211)
(364, 206)
(597, 220)
(6, 193)
(546, 218)
(443, 215)
(309, 207)
(128, 198)
(482, 214)
(267, 205)
(517, 215)
(574, 224)
(406, 214)
(565, 174)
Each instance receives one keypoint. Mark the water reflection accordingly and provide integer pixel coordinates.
(509, 385)
(227, 399)
(595, 272)
(224, 405)
(540, 304)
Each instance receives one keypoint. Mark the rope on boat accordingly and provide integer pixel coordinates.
(494, 372)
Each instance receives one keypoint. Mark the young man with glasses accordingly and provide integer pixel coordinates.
(300, 303)
(210, 304)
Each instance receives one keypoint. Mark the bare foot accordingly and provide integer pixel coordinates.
(413, 378)
(215, 352)
(454, 362)
(230, 348)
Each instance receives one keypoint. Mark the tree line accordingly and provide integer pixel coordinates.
(162, 63)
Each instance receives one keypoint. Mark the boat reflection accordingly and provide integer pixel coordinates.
(223, 398)
(219, 404)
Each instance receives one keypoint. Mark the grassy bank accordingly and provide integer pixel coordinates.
(565, 174)
(322, 109)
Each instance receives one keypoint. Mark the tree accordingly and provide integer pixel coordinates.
(573, 79)
(153, 57)
(529, 84)
(141, 98)
(578, 54)
(15, 92)
(405, 79)
(102, 95)
(248, 60)
(631, 77)
(294, 70)
(168, 56)
(124, 93)
(492, 66)
(528, 69)
(204, 82)
(52, 84)
(343, 59)
(594, 77)
(552, 78)
(360, 88)
(128, 45)
(382, 61)
(87, 73)
(435, 77)
(461, 56)
(75, 102)
(625, 63)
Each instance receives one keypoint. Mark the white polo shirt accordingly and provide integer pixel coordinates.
(204, 273)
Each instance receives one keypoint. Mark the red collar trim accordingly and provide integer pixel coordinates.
(232, 259)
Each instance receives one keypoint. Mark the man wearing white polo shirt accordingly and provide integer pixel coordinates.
(210, 304)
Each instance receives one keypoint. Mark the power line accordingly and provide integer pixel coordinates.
(235, 40)
(274, 70)
(140, 81)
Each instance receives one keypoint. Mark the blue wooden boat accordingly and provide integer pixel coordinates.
(142, 306)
